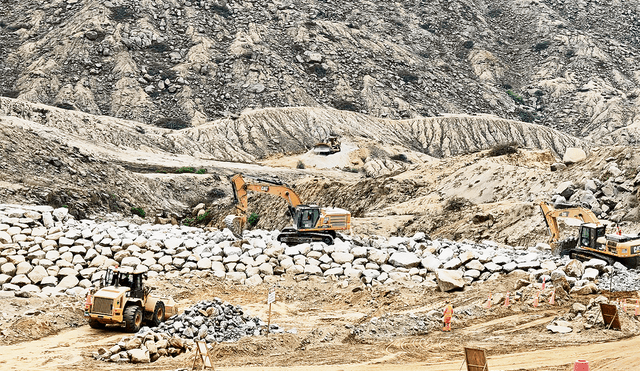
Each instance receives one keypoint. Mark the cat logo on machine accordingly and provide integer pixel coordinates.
(264, 188)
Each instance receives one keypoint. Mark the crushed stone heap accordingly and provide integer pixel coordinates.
(212, 321)
(209, 320)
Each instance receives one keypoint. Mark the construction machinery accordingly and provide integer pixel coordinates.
(329, 146)
(310, 222)
(124, 299)
(592, 240)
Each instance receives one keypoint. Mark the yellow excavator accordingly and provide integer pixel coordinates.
(310, 222)
(592, 240)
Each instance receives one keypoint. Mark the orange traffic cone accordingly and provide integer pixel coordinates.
(536, 299)
(487, 305)
(637, 313)
(544, 282)
(506, 300)
(552, 299)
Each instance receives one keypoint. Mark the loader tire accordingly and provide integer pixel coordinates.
(158, 314)
(132, 318)
(94, 323)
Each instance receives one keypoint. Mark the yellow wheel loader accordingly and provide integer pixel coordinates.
(310, 222)
(592, 240)
(125, 300)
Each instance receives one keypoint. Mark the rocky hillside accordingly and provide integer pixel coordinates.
(175, 63)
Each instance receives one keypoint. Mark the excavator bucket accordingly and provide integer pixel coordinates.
(234, 223)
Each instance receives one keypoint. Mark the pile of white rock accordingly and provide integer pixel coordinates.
(46, 252)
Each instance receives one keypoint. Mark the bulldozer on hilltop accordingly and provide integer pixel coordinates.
(310, 222)
(327, 147)
(125, 300)
(592, 240)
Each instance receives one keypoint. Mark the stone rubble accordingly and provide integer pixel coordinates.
(209, 320)
(46, 252)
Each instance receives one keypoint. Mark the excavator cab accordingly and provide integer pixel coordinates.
(589, 234)
(306, 217)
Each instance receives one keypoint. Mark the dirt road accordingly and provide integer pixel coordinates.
(386, 323)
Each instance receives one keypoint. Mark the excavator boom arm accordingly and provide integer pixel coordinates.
(552, 214)
(241, 188)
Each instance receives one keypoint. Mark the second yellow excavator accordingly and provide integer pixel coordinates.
(592, 240)
(310, 222)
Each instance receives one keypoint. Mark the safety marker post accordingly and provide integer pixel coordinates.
(506, 300)
(552, 299)
(544, 282)
(487, 305)
(536, 299)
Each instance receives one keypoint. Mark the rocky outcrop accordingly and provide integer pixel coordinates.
(175, 64)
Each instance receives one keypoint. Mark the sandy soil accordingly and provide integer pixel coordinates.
(324, 313)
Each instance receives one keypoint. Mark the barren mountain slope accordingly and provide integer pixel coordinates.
(94, 164)
(258, 134)
(567, 65)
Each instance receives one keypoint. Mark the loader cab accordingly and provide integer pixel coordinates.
(306, 217)
(125, 277)
(589, 234)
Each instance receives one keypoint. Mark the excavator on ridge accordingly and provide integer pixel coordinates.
(310, 222)
(592, 240)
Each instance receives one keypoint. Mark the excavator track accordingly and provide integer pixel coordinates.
(292, 237)
(584, 255)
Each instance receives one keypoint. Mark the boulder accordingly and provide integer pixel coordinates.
(8, 268)
(574, 269)
(68, 282)
(598, 264)
(587, 289)
(253, 280)
(573, 155)
(578, 308)
(5, 238)
(139, 356)
(379, 257)
(559, 329)
(342, 257)
(404, 260)
(590, 274)
(449, 280)
(431, 263)
(204, 263)
(37, 274)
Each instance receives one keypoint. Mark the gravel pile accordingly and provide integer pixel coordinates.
(212, 321)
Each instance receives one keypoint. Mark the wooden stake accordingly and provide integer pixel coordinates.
(269, 321)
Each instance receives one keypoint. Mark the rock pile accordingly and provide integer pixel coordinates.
(212, 321)
(45, 251)
(584, 317)
(144, 348)
(609, 199)
(209, 320)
